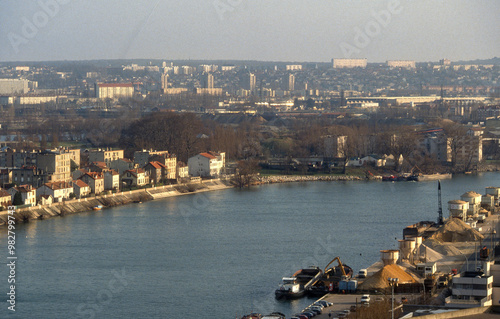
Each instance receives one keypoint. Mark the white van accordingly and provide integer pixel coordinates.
(362, 273)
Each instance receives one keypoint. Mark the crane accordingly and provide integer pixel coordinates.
(340, 265)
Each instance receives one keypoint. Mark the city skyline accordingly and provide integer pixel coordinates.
(48, 30)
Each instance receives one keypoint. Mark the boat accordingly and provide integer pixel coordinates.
(329, 281)
(295, 286)
(274, 315)
(389, 178)
(253, 315)
(98, 207)
(434, 177)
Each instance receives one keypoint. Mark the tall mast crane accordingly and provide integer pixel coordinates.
(440, 206)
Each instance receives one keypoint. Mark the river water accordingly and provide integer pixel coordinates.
(211, 255)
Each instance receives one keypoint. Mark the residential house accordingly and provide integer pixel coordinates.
(95, 181)
(11, 158)
(28, 194)
(209, 164)
(111, 180)
(170, 162)
(157, 172)
(465, 150)
(56, 164)
(182, 170)
(58, 190)
(121, 165)
(5, 198)
(74, 155)
(80, 188)
(134, 177)
(373, 160)
(76, 174)
(45, 200)
(98, 166)
(367, 160)
(105, 155)
(5, 176)
(29, 175)
(335, 146)
(142, 158)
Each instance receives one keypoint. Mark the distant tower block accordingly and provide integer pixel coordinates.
(349, 63)
(164, 82)
(252, 82)
(291, 82)
(208, 81)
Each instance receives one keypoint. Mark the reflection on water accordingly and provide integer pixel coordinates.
(217, 254)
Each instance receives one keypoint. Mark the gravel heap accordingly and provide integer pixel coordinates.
(379, 280)
(455, 230)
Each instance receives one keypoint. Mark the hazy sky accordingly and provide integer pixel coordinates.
(271, 30)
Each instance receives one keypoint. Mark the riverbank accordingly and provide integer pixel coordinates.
(41, 212)
(273, 179)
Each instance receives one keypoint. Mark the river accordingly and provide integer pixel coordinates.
(211, 255)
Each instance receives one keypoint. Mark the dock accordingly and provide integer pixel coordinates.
(460, 255)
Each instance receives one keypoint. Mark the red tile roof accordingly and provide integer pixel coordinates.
(157, 165)
(94, 175)
(80, 183)
(208, 155)
(4, 193)
(58, 185)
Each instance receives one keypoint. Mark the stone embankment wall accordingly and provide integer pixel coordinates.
(301, 178)
(111, 200)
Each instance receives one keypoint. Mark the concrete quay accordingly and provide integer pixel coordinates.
(466, 257)
(111, 200)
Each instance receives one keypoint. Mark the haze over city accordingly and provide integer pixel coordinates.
(249, 30)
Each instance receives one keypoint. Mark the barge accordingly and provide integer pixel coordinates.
(330, 279)
(295, 286)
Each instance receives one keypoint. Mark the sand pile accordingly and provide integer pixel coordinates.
(455, 230)
(379, 280)
(442, 248)
(428, 254)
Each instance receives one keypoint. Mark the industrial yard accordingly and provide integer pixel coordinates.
(443, 269)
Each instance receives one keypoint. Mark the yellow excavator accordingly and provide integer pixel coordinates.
(344, 274)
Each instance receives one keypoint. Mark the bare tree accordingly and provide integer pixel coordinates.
(245, 173)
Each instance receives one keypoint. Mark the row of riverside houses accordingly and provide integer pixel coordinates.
(44, 177)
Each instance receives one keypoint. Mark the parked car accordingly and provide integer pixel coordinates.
(324, 303)
(316, 310)
(317, 304)
(365, 299)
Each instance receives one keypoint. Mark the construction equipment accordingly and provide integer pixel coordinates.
(340, 265)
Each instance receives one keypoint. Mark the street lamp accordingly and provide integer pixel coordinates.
(393, 282)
